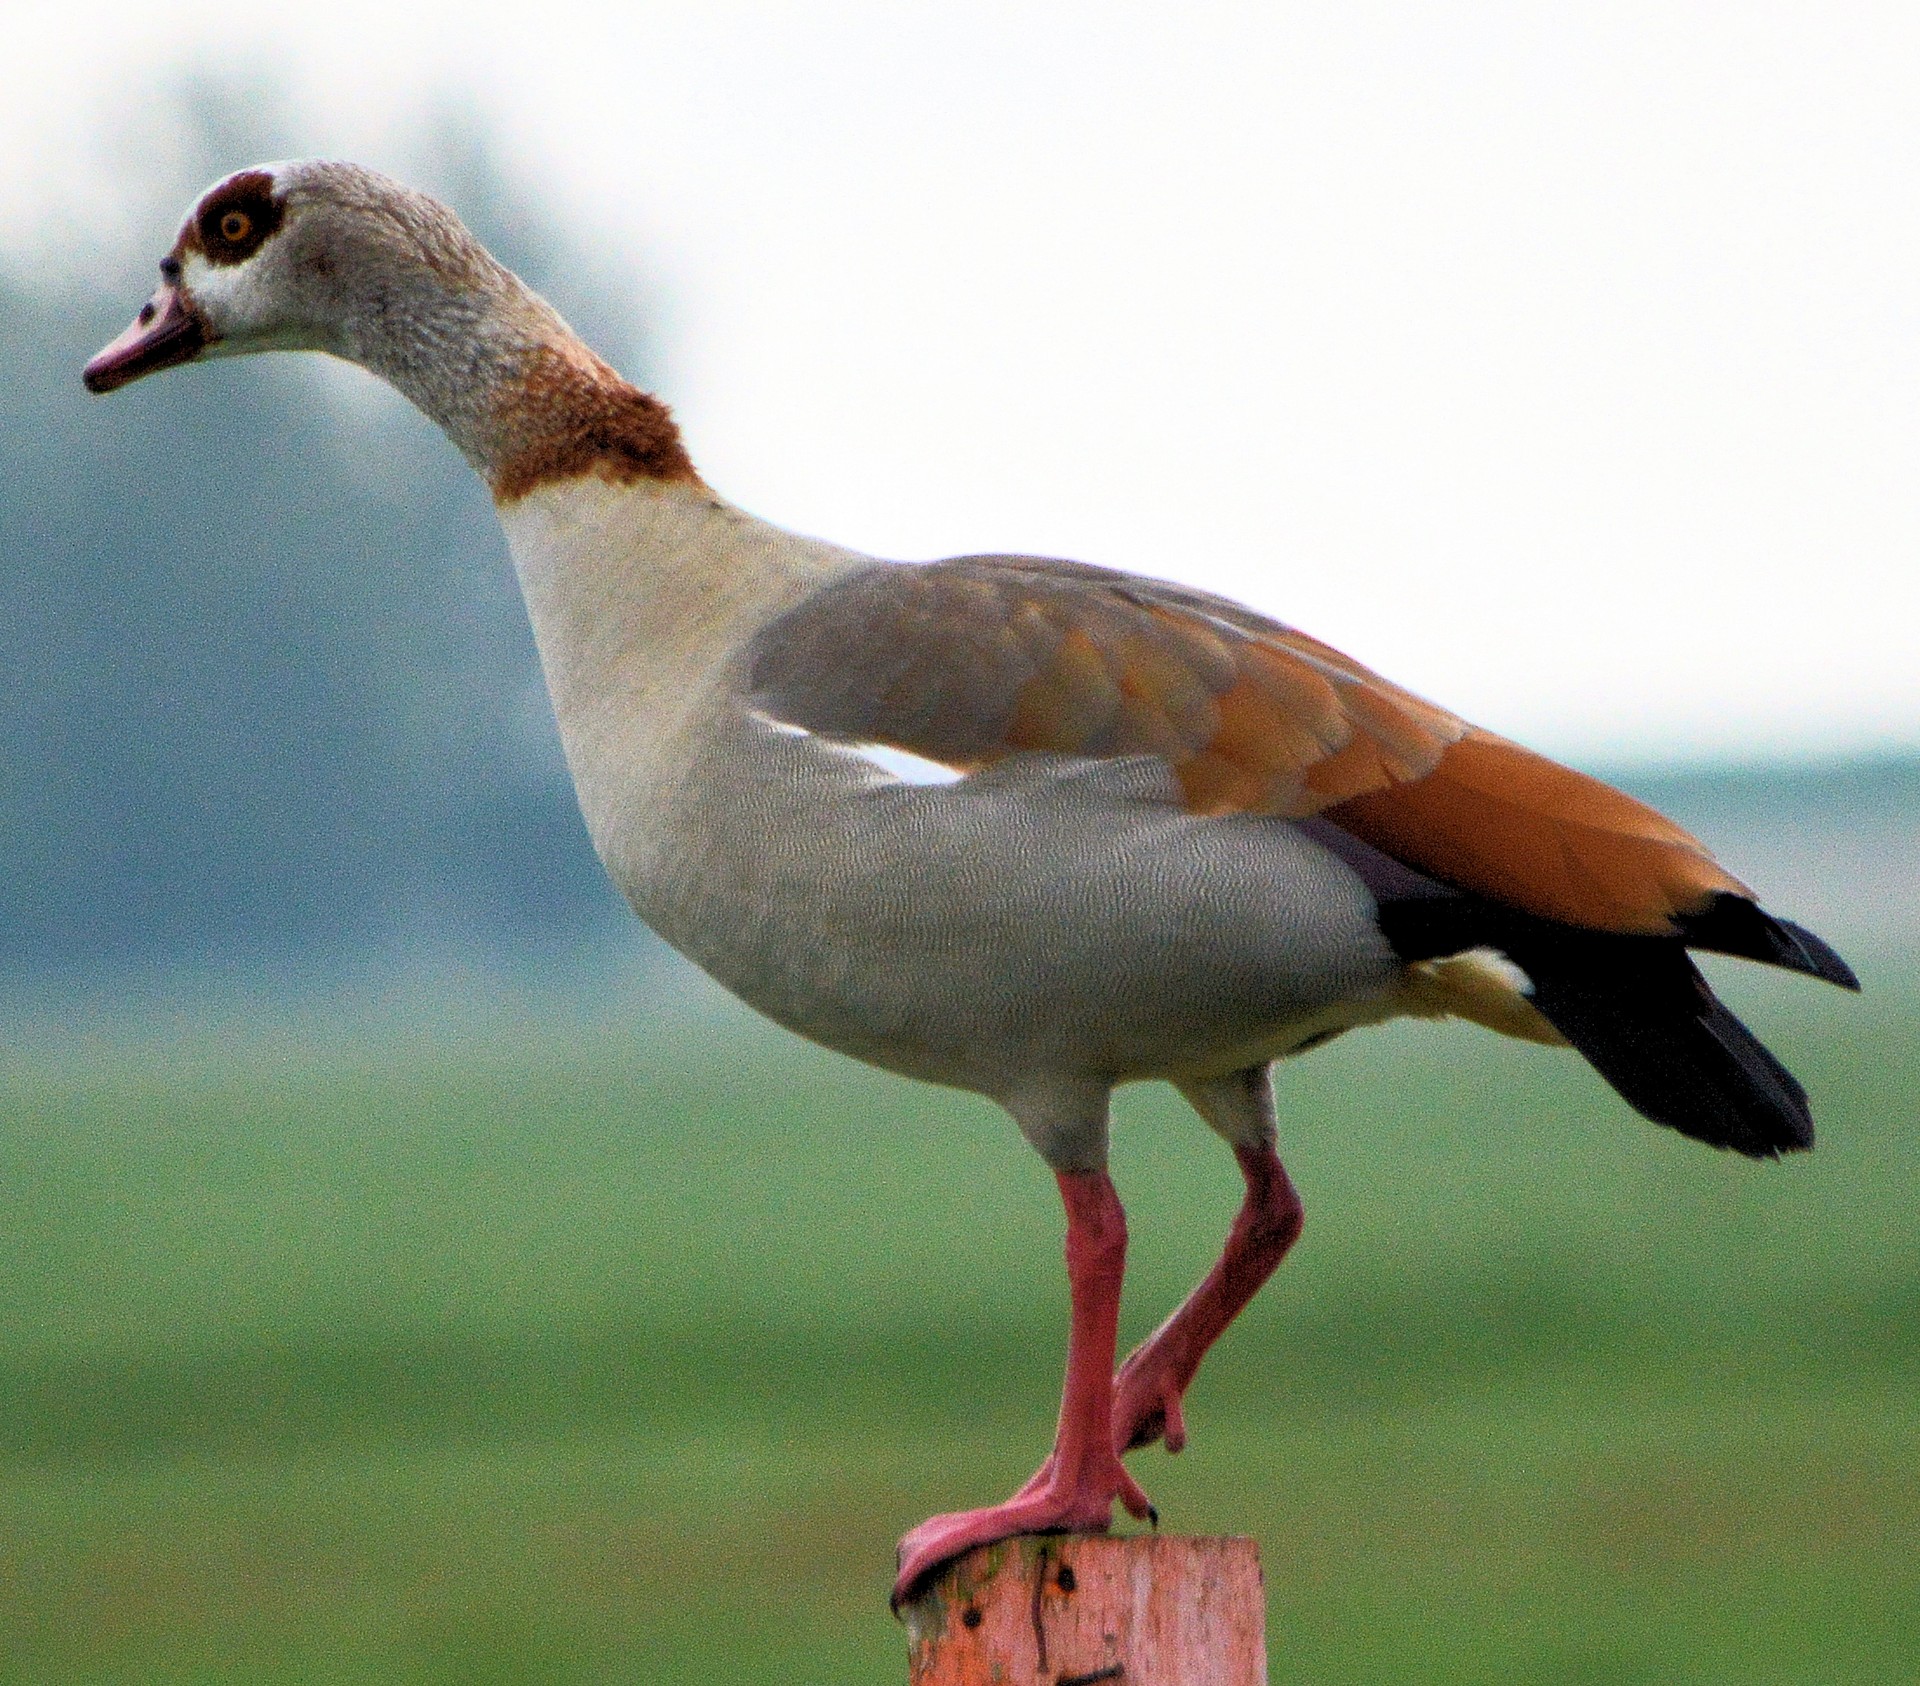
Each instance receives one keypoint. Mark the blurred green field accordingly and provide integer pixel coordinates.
(553, 1351)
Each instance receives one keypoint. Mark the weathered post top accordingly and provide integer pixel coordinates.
(1081, 1610)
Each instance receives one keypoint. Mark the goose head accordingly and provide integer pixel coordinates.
(308, 256)
(331, 257)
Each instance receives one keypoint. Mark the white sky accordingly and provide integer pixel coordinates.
(1561, 360)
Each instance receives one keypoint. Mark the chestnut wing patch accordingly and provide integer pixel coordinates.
(969, 661)
(1513, 826)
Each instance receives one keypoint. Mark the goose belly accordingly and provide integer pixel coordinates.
(1039, 917)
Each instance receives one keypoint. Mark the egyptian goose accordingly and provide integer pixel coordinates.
(1024, 827)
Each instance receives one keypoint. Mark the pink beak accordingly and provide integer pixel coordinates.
(167, 331)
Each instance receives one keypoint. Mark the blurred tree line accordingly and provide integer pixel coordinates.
(270, 689)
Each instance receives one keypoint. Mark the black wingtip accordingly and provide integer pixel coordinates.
(1822, 960)
(1735, 925)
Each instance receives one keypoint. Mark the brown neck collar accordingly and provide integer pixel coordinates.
(567, 414)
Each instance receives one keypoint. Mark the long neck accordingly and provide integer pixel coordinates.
(635, 574)
(642, 598)
(655, 584)
(512, 386)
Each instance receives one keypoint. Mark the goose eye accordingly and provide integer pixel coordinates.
(235, 226)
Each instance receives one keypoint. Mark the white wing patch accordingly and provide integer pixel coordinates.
(902, 766)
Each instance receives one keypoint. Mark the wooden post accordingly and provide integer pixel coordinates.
(1079, 1610)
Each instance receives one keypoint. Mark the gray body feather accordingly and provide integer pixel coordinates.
(1036, 931)
(1039, 916)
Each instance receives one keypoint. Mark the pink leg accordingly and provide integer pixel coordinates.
(1076, 1487)
(1148, 1390)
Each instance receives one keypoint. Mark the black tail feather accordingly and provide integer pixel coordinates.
(1646, 1020)
(1636, 1007)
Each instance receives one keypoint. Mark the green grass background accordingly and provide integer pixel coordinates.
(620, 1347)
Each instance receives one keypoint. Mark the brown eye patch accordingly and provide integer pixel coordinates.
(239, 218)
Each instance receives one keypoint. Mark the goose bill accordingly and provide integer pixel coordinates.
(168, 330)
